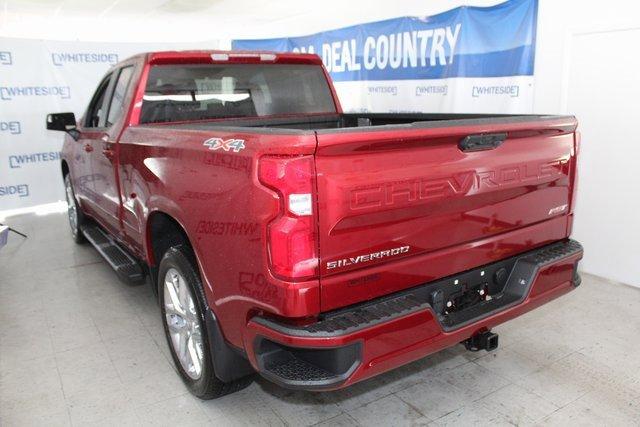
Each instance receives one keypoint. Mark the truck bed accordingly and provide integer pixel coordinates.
(395, 187)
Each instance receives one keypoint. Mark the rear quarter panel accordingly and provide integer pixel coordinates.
(216, 197)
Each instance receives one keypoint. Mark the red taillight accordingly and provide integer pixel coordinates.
(292, 234)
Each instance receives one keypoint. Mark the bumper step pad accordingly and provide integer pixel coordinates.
(307, 369)
(295, 369)
(126, 266)
(521, 271)
(366, 315)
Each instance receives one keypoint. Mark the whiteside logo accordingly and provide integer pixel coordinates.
(367, 258)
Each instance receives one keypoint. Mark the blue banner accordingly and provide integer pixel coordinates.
(495, 41)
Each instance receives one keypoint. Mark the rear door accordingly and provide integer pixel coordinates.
(390, 193)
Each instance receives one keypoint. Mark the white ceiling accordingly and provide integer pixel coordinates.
(114, 8)
(198, 20)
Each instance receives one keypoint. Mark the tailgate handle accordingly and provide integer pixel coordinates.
(482, 142)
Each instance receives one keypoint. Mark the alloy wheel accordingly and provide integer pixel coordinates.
(72, 209)
(183, 323)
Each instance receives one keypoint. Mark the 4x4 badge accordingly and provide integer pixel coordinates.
(235, 145)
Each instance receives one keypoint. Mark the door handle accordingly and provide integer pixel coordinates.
(88, 148)
(480, 142)
(108, 153)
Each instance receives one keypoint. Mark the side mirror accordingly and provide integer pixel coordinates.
(61, 121)
(65, 122)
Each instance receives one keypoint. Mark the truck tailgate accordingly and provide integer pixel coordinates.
(389, 193)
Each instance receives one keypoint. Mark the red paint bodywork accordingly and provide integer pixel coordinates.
(377, 189)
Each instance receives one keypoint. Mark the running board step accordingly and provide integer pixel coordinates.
(126, 266)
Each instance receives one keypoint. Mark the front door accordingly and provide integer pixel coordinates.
(91, 129)
(104, 155)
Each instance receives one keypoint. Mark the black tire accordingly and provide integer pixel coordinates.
(70, 194)
(208, 385)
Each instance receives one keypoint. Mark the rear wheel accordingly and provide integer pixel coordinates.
(75, 215)
(183, 304)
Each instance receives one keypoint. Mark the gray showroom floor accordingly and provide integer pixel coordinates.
(79, 347)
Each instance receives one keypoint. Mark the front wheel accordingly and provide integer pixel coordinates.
(183, 303)
(75, 215)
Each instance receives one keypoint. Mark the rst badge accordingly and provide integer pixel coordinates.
(235, 145)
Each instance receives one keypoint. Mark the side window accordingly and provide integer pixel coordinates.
(119, 92)
(96, 108)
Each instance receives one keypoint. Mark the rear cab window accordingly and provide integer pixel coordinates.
(176, 93)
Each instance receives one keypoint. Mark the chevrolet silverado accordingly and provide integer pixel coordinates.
(317, 248)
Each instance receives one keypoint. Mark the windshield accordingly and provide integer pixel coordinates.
(200, 92)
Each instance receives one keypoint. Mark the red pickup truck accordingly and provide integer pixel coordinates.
(317, 248)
